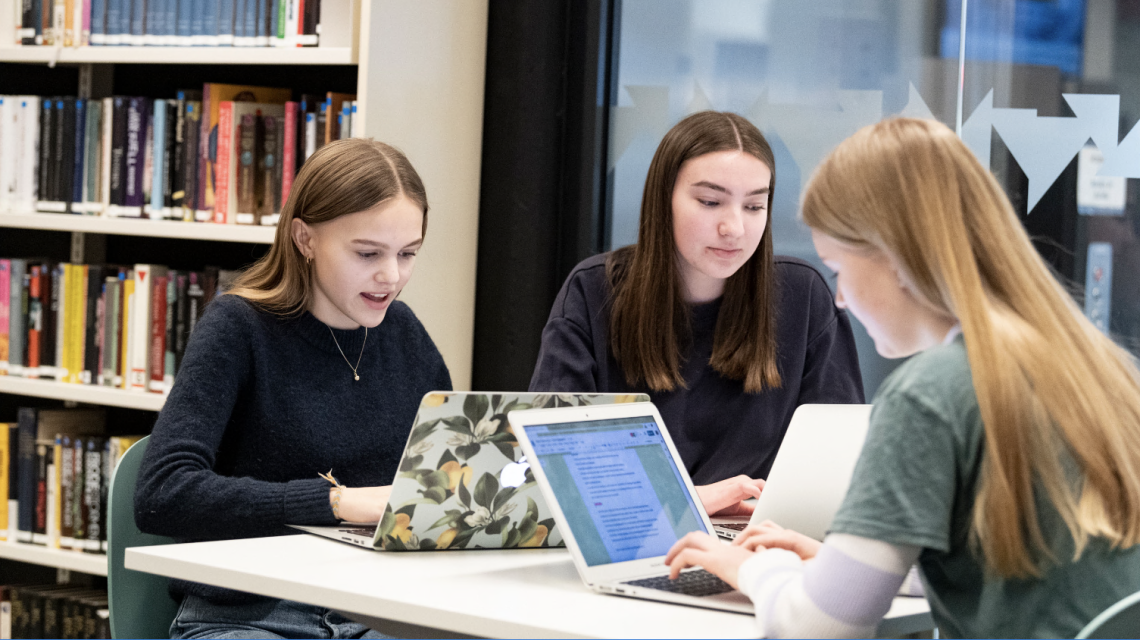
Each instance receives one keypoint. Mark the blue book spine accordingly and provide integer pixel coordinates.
(276, 24)
(114, 24)
(251, 15)
(157, 160)
(170, 28)
(224, 24)
(26, 461)
(185, 27)
(17, 331)
(80, 154)
(151, 13)
(98, 22)
(137, 24)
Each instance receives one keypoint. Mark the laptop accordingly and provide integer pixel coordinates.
(621, 496)
(811, 472)
(462, 482)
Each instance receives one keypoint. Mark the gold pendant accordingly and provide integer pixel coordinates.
(356, 377)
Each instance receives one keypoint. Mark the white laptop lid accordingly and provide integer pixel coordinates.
(813, 468)
(614, 483)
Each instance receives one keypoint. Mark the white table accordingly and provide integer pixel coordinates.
(515, 593)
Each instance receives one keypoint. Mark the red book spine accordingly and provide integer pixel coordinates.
(157, 332)
(289, 155)
(35, 323)
(222, 165)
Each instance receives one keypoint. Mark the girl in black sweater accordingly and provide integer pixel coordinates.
(308, 364)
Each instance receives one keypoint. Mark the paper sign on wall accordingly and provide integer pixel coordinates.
(1098, 195)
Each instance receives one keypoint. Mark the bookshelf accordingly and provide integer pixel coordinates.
(90, 563)
(137, 227)
(420, 79)
(181, 55)
(85, 393)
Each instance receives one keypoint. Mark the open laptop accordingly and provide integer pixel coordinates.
(462, 482)
(621, 497)
(811, 472)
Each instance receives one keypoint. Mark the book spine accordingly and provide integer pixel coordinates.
(158, 333)
(111, 323)
(148, 162)
(191, 166)
(35, 322)
(55, 495)
(267, 164)
(134, 156)
(222, 165)
(91, 325)
(92, 492)
(128, 294)
(277, 23)
(105, 145)
(310, 134)
(93, 160)
(140, 330)
(62, 140)
(151, 11)
(246, 186)
(79, 528)
(158, 155)
(78, 154)
(26, 475)
(13, 480)
(168, 165)
(68, 320)
(28, 30)
(27, 185)
(278, 174)
(204, 191)
(67, 20)
(226, 24)
(169, 359)
(181, 320)
(178, 159)
(59, 293)
(67, 492)
(50, 300)
(5, 304)
(84, 21)
(98, 22)
(137, 30)
(118, 155)
(7, 152)
(17, 336)
(5, 459)
(45, 148)
(39, 524)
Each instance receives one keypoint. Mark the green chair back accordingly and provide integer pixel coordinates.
(1121, 620)
(139, 602)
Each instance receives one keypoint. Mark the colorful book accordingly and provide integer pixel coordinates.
(157, 357)
(139, 330)
(5, 303)
(17, 314)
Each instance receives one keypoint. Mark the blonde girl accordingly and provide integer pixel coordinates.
(1003, 458)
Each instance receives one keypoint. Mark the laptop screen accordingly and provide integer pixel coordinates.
(617, 485)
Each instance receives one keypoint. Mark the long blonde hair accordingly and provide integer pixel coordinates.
(342, 177)
(1050, 386)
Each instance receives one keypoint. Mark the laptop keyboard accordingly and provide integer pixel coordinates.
(735, 526)
(365, 530)
(697, 583)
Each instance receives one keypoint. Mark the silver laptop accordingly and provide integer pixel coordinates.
(462, 482)
(621, 497)
(811, 472)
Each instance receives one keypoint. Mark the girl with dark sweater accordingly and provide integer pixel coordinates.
(309, 364)
(726, 338)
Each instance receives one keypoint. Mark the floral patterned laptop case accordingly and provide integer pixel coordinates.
(464, 483)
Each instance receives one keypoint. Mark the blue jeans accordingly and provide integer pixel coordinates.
(200, 618)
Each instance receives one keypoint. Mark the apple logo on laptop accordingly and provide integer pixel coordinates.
(514, 474)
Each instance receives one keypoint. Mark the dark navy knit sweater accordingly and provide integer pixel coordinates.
(720, 431)
(261, 405)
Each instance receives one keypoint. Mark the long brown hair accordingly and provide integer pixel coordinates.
(1049, 384)
(346, 176)
(650, 319)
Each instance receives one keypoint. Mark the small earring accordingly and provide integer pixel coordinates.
(309, 260)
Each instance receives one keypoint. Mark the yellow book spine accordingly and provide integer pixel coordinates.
(125, 339)
(65, 322)
(79, 339)
(5, 456)
(74, 321)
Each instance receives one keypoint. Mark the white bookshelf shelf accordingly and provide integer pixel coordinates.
(92, 563)
(131, 227)
(87, 393)
(180, 55)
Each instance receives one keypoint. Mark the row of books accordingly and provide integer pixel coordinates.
(59, 467)
(105, 325)
(183, 23)
(227, 154)
(53, 611)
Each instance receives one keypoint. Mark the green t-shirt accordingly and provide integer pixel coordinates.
(915, 484)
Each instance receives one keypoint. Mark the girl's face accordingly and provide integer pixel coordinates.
(361, 261)
(868, 285)
(720, 210)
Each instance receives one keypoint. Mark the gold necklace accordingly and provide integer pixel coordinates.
(355, 375)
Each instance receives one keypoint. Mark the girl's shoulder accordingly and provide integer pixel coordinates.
(938, 380)
(796, 272)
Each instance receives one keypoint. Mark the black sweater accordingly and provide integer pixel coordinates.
(261, 405)
(720, 431)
